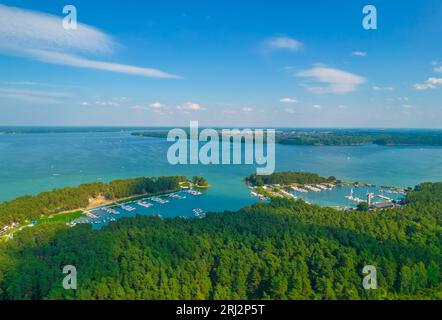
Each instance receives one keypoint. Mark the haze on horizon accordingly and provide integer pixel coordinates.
(228, 64)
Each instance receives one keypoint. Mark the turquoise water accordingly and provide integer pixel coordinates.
(32, 163)
(174, 207)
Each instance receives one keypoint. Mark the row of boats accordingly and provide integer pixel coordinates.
(315, 188)
(95, 217)
(193, 192)
(260, 196)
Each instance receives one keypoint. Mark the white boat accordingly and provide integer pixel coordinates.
(91, 215)
(176, 196)
(299, 189)
(312, 188)
(288, 194)
(159, 200)
(110, 211)
(194, 192)
(144, 204)
(127, 208)
(199, 213)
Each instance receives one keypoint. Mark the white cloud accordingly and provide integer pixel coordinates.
(377, 88)
(107, 103)
(359, 53)
(337, 81)
(247, 109)
(20, 29)
(288, 110)
(341, 106)
(407, 106)
(35, 92)
(316, 106)
(140, 107)
(283, 43)
(438, 69)
(156, 105)
(36, 84)
(33, 96)
(41, 37)
(288, 101)
(431, 83)
(101, 103)
(189, 106)
(76, 61)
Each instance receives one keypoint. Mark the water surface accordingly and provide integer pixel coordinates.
(32, 163)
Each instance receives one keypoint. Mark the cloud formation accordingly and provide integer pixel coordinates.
(283, 43)
(431, 83)
(377, 88)
(359, 54)
(189, 106)
(34, 96)
(288, 101)
(336, 81)
(41, 37)
(289, 110)
(247, 109)
(156, 105)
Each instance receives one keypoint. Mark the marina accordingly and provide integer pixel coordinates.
(181, 202)
(341, 196)
(344, 196)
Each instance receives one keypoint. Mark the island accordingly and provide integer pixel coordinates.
(291, 185)
(340, 137)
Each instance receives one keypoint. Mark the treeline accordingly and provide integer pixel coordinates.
(287, 177)
(323, 139)
(200, 181)
(28, 208)
(358, 137)
(334, 137)
(282, 250)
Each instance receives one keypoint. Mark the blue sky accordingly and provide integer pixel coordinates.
(224, 63)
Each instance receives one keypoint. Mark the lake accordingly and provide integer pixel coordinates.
(36, 162)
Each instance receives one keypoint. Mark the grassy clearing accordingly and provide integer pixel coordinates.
(64, 217)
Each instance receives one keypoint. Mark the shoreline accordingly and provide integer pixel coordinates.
(16, 227)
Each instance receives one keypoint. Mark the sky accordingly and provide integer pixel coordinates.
(222, 63)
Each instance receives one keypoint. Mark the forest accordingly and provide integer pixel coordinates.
(284, 249)
(28, 208)
(342, 137)
(288, 177)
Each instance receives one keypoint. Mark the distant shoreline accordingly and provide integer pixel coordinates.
(338, 137)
